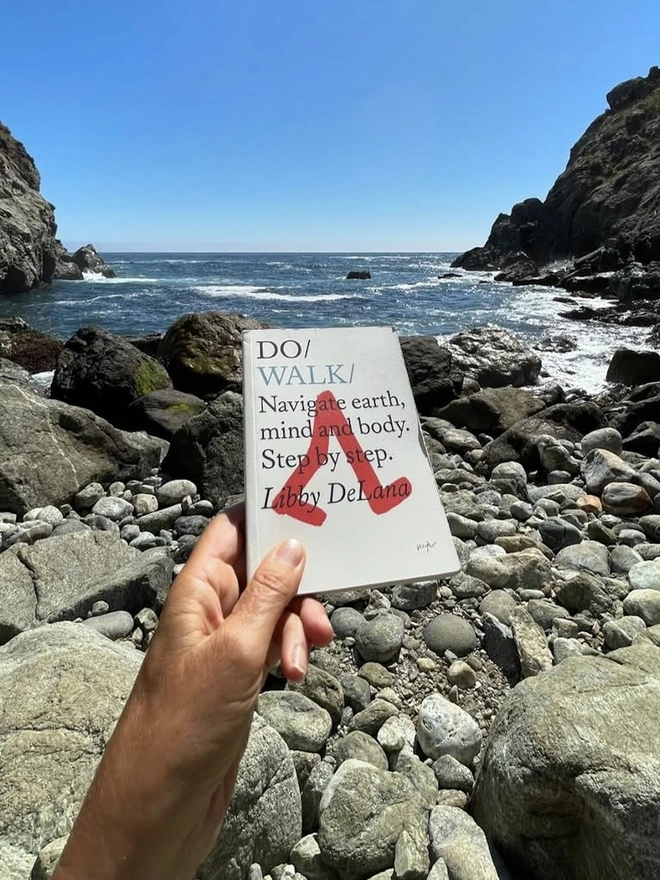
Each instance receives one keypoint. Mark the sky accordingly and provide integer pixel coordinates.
(351, 125)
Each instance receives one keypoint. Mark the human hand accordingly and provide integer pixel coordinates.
(164, 785)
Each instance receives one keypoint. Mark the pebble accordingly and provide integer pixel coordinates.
(174, 492)
(113, 625)
(462, 675)
(345, 621)
(112, 508)
(500, 604)
(450, 773)
(644, 604)
(445, 729)
(448, 632)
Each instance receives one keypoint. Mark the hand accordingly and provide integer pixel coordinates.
(164, 784)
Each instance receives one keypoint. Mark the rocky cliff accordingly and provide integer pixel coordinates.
(604, 208)
(30, 253)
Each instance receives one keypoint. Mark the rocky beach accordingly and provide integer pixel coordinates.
(501, 724)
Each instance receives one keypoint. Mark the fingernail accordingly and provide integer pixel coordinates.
(290, 551)
(299, 660)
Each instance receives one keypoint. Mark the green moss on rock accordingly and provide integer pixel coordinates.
(150, 376)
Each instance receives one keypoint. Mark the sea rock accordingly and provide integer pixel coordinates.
(104, 373)
(572, 796)
(494, 357)
(203, 352)
(29, 251)
(163, 412)
(208, 450)
(493, 410)
(633, 367)
(358, 274)
(363, 812)
(564, 421)
(49, 451)
(429, 370)
(645, 439)
(87, 259)
(36, 352)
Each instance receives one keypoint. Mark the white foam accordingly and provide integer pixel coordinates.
(98, 278)
(251, 292)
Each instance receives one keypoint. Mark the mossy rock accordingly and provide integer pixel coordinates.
(163, 412)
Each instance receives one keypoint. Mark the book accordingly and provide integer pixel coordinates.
(334, 456)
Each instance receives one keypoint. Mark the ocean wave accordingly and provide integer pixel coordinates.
(250, 292)
(98, 278)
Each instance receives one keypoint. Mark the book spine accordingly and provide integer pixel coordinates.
(252, 543)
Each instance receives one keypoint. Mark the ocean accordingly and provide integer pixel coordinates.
(311, 290)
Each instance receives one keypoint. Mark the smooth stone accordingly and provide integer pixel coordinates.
(174, 491)
(644, 604)
(345, 621)
(372, 718)
(462, 675)
(363, 747)
(448, 632)
(500, 604)
(300, 722)
(490, 529)
(114, 625)
(645, 575)
(602, 438)
(376, 675)
(144, 504)
(87, 497)
(445, 729)
(412, 597)
(380, 639)
(49, 514)
(463, 586)
(623, 558)
(396, 733)
(461, 526)
(588, 556)
(557, 533)
(626, 499)
(620, 633)
(357, 693)
(113, 508)
(544, 612)
(322, 688)
(563, 648)
(450, 773)
(651, 526)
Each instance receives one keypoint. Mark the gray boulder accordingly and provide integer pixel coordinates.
(49, 451)
(363, 812)
(208, 450)
(570, 780)
(494, 357)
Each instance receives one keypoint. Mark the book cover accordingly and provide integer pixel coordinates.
(334, 457)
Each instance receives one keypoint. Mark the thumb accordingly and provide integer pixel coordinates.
(273, 585)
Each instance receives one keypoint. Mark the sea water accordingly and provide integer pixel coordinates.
(405, 290)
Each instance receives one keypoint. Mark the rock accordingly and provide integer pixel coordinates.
(358, 274)
(306, 859)
(61, 579)
(323, 689)
(645, 575)
(531, 642)
(301, 723)
(397, 733)
(380, 639)
(52, 740)
(429, 371)
(87, 259)
(633, 367)
(445, 729)
(373, 716)
(645, 439)
(584, 592)
(362, 747)
(567, 796)
(49, 451)
(626, 499)
(264, 820)
(461, 674)
(12, 374)
(312, 793)
(345, 621)
(564, 421)
(461, 844)
(644, 604)
(622, 558)
(363, 812)
(163, 412)
(557, 533)
(494, 357)
(26, 347)
(493, 410)
(527, 569)
(102, 372)
(202, 352)
(621, 633)
(174, 491)
(450, 773)
(208, 450)
(410, 597)
(114, 625)
(29, 251)
(113, 508)
(588, 556)
(47, 859)
(421, 776)
(411, 857)
(500, 604)
(447, 632)
(357, 693)
(600, 467)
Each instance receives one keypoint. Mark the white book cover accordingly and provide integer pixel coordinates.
(334, 457)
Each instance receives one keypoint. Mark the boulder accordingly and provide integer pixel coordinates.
(265, 817)
(13, 374)
(163, 412)
(209, 449)
(203, 352)
(493, 410)
(49, 451)
(633, 367)
(570, 780)
(363, 812)
(358, 274)
(88, 260)
(51, 739)
(429, 370)
(34, 351)
(564, 421)
(61, 578)
(494, 357)
(104, 373)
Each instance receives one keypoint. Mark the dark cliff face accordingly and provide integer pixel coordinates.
(29, 250)
(608, 197)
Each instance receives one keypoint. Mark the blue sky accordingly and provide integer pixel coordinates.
(302, 125)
